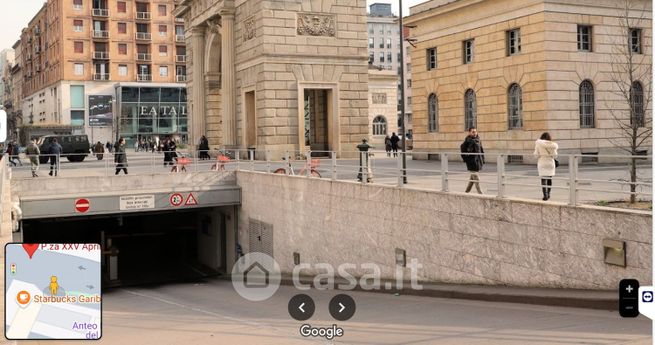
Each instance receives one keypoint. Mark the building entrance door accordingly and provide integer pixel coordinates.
(316, 116)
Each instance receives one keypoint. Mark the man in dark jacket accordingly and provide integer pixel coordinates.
(473, 156)
(394, 144)
(120, 157)
(54, 151)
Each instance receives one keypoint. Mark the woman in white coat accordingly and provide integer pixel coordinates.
(546, 151)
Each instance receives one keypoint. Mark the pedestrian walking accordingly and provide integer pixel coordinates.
(167, 152)
(394, 144)
(120, 157)
(54, 151)
(473, 155)
(99, 150)
(387, 145)
(9, 152)
(546, 151)
(109, 146)
(203, 148)
(33, 153)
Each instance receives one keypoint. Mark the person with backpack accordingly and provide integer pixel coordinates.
(55, 152)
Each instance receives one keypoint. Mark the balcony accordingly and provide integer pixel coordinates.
(143, 16)
(143, 57)
(179, 38)
(102, 34)
(179, 20)
(101, 76)
(101, 55)
(144, 77)
(100, 12)
(37, 50)
(180, 78)
(180, 58)
(143, 36)
(29, 57)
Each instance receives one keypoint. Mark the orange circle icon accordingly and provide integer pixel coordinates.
(23, 297)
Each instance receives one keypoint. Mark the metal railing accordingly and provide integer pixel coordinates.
(180, 78)
(573, 183)
(179, 38)
(143, 15)
(100, 12)
(144, 77)
(145, 36)
(180, 58)
(100, 34)
(101, 55)
(143, 56)
(101, 76)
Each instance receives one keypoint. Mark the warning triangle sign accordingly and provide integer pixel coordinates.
(191, 200)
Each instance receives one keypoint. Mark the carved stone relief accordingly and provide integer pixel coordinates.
(379, 98)
(249, 29)
(310, 24)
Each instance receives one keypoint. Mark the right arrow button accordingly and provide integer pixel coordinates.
(342, 307)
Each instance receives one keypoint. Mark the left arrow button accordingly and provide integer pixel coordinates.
(301, 307)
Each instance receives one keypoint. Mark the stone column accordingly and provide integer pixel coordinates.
(198, 95)
(228, 78)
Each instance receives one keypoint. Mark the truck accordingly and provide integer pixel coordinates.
(74, 147)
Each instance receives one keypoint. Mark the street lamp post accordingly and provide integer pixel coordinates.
(402, 90)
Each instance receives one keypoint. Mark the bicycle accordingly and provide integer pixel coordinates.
(288, 170)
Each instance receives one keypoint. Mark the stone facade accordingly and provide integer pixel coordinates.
(382, 102)
(549, 69)
(261, 60)
(457, 238)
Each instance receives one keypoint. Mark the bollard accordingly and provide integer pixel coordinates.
(501, 175)
(268, 161)
(444, 172)
(573, 180)
(363, 161)
(401, 175)
(334, 165)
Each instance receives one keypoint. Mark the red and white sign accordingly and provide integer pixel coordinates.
(191, 200)
(176, 199)
(82, 205)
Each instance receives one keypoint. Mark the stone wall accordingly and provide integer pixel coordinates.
(457, 238)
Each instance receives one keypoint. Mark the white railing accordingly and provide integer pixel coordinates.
(180, 58)
(100, 34)
(101, 76)
(143, 56)
(180, 78)
(101, 55)
(144, 77)
(179, 38)
(143, 15)
(143, 36)
(100, 12)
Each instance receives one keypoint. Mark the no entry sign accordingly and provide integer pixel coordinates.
(82, 205)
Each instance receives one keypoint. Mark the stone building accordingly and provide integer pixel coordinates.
(277, 75)
(382, 105)
(516, 69)
(73, 52)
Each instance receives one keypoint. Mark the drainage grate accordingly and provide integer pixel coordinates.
(516, 159)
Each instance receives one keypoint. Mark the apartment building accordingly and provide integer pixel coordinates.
(76, 53)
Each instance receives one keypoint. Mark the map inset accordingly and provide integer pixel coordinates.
(52, 291)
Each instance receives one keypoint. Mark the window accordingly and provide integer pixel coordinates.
(78, 69)
(162, 10)
(408, 67)
(389, 58)
(371, 42)
(371, 30)
(470, 110)
(467, 51)
(77, 117)
(77, 5)
(371, 58)
(379, 125)
(515, 106)
(433, 116)
(381, 42)
(163, 50)
(163, 30)
(78, 25)
(431, 57)
(409, 100)
(122, 70)
(409, 83)
(389, 43)
(163, 71)
(635, 40)
(637, 95)
(381, 57)
(120, 6)
(586, 104)
(78, 47)
(513, 42)
(77, 96)
(382, 31)
(584, 38)
(122, 49)
(122, 28)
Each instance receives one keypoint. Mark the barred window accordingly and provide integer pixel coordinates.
(431, 58)
(468, 51)
(637, 101)
(513, 42)
(433, 116)
(584, 38)
(587, 108)
(515, 107)
(470, 110)
(635, 40)
(379, 125)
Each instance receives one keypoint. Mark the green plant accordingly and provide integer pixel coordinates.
(602, 203)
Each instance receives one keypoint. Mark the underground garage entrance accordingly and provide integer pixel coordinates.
(146, 247)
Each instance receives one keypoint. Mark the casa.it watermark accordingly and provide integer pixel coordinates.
(257, 276)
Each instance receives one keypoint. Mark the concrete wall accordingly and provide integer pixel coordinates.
(457, 238)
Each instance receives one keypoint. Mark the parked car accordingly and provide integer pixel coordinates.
(74, 147)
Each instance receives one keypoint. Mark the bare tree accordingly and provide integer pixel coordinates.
(631, 79)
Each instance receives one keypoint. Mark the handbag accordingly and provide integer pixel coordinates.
(555, 159)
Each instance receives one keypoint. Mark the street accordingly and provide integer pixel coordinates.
(211, 312)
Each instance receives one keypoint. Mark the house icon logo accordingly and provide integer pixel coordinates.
(256, 276)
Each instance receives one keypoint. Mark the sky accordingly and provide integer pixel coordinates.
(17, 13)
